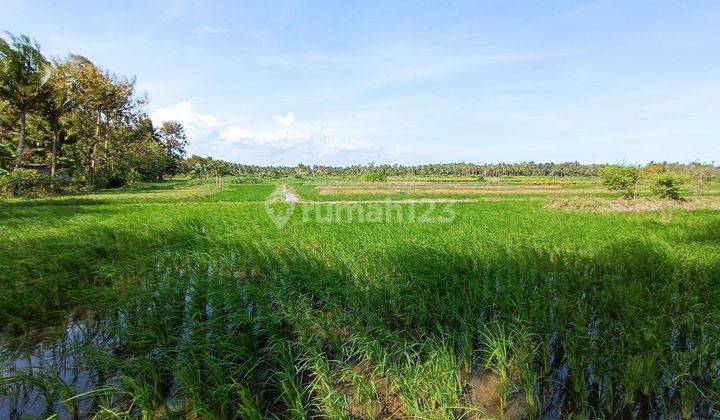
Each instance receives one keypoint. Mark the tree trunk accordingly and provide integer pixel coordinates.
(53, 161)
(95, 142)
(21, 141)
(91, 158)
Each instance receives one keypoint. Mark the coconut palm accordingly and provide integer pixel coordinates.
(56, 104)
(21, 70)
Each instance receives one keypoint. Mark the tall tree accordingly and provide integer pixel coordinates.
(21, 65)
(174, 141)
(102, 97)
(57, 104)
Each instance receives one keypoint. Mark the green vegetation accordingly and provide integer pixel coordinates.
(67, 125)
(621, 178)
(373, 177)
(185, 299)
(668, 186)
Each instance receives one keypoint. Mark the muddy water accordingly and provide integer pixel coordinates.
(41, 372)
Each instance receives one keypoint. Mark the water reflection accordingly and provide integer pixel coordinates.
(42, 372)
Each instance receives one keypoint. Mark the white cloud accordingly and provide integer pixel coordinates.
(352, 146)
(285, 119)
(197, 126)
(283, 139)
(236, 142)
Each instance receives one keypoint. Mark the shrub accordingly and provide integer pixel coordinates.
(700, 175)
(620, 178)
(246, 180)
(667, 186)
(26, 182)
(374, 177)
(23, 182)
(133, 177)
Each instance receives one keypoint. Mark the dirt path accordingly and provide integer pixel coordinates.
(290, 197)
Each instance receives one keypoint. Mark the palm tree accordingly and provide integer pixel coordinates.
(56, 104)
(21, 65)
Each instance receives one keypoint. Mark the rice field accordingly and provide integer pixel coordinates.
(188, 301)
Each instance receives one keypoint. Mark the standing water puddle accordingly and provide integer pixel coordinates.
(40, 376)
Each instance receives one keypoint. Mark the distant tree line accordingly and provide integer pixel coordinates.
(68, 123)
(199, 166)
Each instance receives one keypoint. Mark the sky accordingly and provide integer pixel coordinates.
(409, 82)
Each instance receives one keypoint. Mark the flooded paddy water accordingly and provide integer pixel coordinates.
(48, 372)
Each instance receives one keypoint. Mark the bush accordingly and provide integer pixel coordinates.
(23, 182)
(26, 182)
(246, 180)
(133, 177)
(373, 177)
(620, 178)
(667, 186)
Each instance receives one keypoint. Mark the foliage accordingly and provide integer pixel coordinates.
(620, 178)
(652, 169)
(73, 117)
(17, 182)
(21, 85)
(27, 182)
(373, 177)
(667, 186)
(541, 173)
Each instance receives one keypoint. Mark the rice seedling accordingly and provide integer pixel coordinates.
(207, 309)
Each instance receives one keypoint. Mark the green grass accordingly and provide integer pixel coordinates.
(209, 303)
(240, 193)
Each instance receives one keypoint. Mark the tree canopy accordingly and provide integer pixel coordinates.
(69, 118)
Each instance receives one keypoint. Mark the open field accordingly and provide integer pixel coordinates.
(506, 188)
(188, 300)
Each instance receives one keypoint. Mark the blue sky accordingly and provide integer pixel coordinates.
(410, 82)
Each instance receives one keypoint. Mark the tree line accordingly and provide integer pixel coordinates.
(205, 166)
(67, 123)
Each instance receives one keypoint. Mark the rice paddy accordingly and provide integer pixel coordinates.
(188, 301)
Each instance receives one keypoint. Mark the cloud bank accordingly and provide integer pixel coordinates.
(260, 144)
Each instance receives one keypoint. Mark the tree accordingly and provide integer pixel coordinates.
(57, 104)
(21, 87)
(652, 169)
(216, 168)
(102, 98)
(174, 141)
(667, 186)
(374, 176)
(620, 178)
